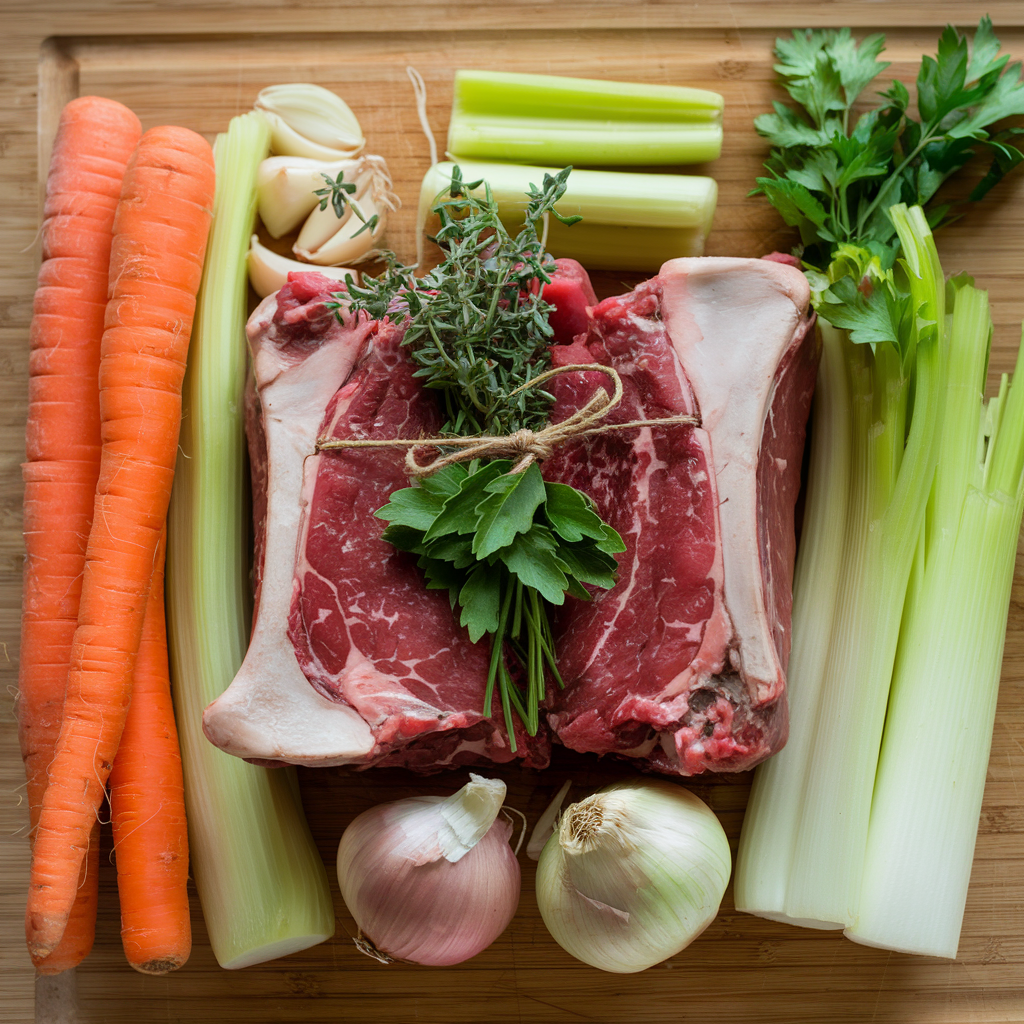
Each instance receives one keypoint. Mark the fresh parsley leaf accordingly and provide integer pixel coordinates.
(571, 513)
(459, 512)
(480, 599)
(834, 177)
(532, 559)
(508, 509)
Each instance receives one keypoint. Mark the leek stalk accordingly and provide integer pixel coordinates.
(630, 221)
(523, 118)
(820, 830)
(261, 882)
(934, 756)
(769, 826)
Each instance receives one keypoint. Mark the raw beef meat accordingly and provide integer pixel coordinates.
(301, 354)
(682, 664)
(355, 662)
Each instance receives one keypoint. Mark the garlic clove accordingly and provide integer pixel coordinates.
(285, 187)
(348, 244)
(321, 226)
(311, 121)
(268, 270)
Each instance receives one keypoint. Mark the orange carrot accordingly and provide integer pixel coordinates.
(95, 138)
(147, 807)
(160, 232)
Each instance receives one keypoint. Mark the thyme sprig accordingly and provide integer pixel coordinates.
(340, 194)
(478, 326)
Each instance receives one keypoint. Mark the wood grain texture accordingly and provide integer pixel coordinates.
(198, 64)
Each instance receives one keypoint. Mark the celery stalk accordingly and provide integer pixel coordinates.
(769, 826)
(261, 881)
(889, 498)
(803, 858)
(630, 221)
(525, 118)
(934, 756)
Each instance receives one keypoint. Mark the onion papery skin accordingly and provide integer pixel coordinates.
(434, 912)
(646, 884)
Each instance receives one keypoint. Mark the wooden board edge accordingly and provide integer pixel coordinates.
(58, 83)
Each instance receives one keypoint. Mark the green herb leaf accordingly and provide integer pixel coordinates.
(508, 509)
(571, 514)
(459, 513)
(480, 598)
(834, 179)
(532, 559)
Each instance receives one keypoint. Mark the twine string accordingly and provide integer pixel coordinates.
(523, 446)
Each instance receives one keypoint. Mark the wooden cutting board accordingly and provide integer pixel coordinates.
(198, 65)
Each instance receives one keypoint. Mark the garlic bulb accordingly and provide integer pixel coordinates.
(268, 270)
(633, 875)
(326, 239)
(428, 879)
(309, 120)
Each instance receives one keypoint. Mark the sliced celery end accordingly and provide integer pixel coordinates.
(261, 882)
(630, 221)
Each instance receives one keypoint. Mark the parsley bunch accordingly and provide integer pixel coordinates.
(834, 177)
(503, 544)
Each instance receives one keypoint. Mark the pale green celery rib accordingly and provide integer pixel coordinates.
(934, 757)
(553, 119)
(891, 484)
(765, 853)
(260, 878)
(630, 221)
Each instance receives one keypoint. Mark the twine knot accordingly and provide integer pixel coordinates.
(525, 446)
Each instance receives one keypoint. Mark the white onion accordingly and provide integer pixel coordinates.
(633, 875)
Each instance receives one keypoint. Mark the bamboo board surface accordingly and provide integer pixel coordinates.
(198, 65)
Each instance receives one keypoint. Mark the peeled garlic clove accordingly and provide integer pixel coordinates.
(285, 187)
(321, 226)
(633, 875)
(268, 270)
(311, 121)
(431, 880)
(347, 244)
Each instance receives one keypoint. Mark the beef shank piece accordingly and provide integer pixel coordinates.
(682, 664)
(352, 659)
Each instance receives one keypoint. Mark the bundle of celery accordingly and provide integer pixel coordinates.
(913, 479)
(261, 882)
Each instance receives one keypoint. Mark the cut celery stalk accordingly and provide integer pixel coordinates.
(261, 881)
(938, 732)
(630, 221)
(891, 482)
(769, 825)
(499, 115)
(801, 854)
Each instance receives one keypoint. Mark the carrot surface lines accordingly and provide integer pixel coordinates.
(95, 139)
(154, 275)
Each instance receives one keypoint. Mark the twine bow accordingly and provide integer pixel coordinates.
(525, 446)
